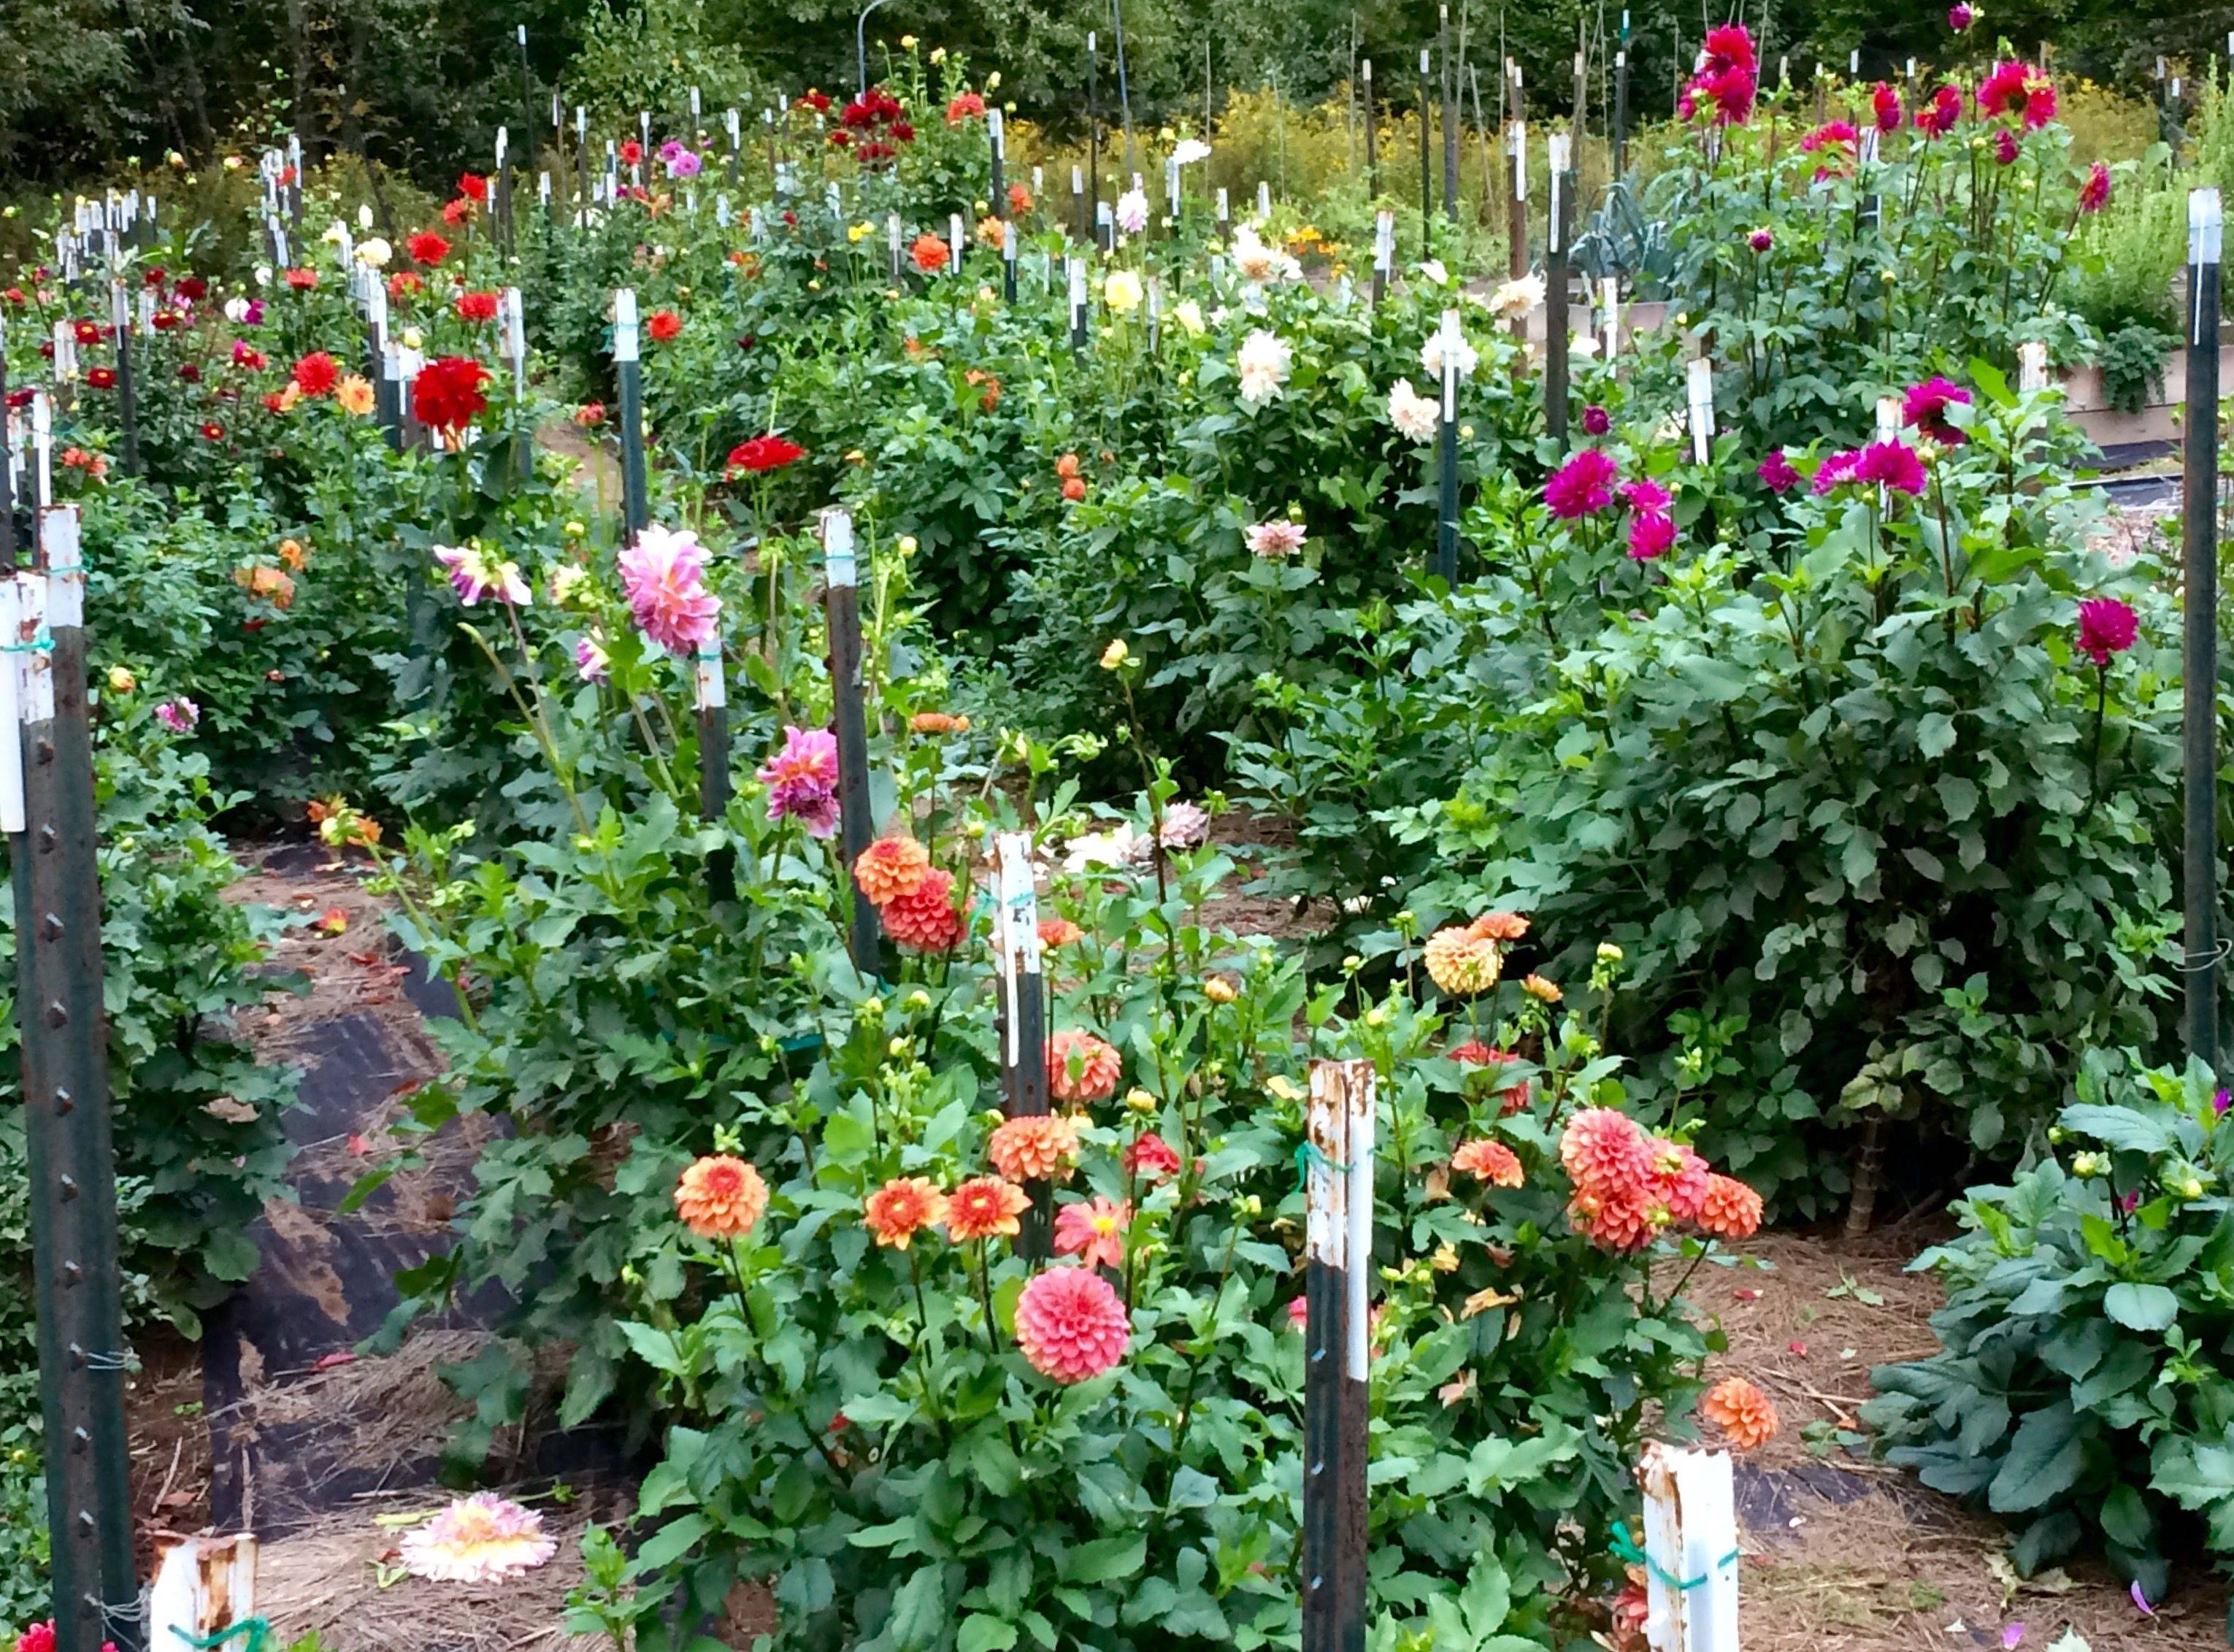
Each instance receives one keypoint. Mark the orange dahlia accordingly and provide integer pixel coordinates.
(892, 867)
(1624, 1221)
(1058, 931)
(720, 1198)
(1461, 961)
(1542, 990)
(1034, 1148)
(1730, 1208)
(902, 1208)
(984, 1206)
(1490, 1161)
(1500, 926)
(1604, 1152)
(1740, 1411)
(1081, 1067)
(924, 919)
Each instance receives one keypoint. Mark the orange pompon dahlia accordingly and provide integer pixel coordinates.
(720, 1198)
(1058, 931)
(1499, 926)
(1730, 1210)
(1462, 962)
(1034, 1148)
(1081, 1067)
(1542, 990)
(938, 722)
(902, 1208)
(1604, 1152)
(1624, 1222)
(1678, 1179)
(924, 919)
(892, 867)
(1740, 1411)
(1490, 1161)
(984, 1206)
(929, 253)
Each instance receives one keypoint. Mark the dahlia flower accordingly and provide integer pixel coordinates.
(1730, 1211)
(1740, 1411)
(1093, 1231)
(592, 663)
(902, 1208)
(1070, 1325)
(179, 715)
(475, 576)
(1651, 535)
(1604, 1152)
(1926, 406)
(1132, 211)
(664, 578)
(448, 392)
(1942, 115)
(1261, 264)
(1416, 416)
(985, 1207)
(2106, 626)
(720, 1196)
(1151, 1158)
(802, 781)
(479, 1539)
(1276, 537)
(1678, 1179)
(924, 919)
(1462, 961)
(2094, 193)
(1185, 825)
(1894, 464)
(316, 374)
(1514, 299)
(1463, 353)
(1776, 473)
(1033, 1147)
(1884, 108)
(890, 868)
(1262, 364)
(1489, 1161)
(1582, 487)
(1081, 1067)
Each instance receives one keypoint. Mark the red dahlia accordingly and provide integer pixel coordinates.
(448, 392)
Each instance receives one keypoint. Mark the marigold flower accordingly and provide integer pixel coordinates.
(720, 1196)
(1150, 1157)
(2106, 626)
(929, 253)
(1730, 1211)
(1461, 961)
(1081, 1067)
(1070, 1325)
(924, 919)
(1740, 1411)
(479, 1539)
(1093, 1231)
(1489, 1161)
(983, 1207)
(902, 1208)
(1582, 487)
(1035, 1147)
(890, 868)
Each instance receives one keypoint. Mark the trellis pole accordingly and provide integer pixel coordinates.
(127, 399)
(635, 504)
(2200, 642)
(1516, 199)
(83, 1360)
(1426, 173)
(1022, 1009)
(1621, 102)
(1450, 115)
(1337, 1158)
(1690, 1551)
(1447, 456)
(1372, 140)
(1560, 149)
(857, 829)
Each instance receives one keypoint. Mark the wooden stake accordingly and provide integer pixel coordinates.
(857, 829)
(2200, 604)
(1338, 1249)
(1446, 457)
(1690, 1549)
(204, 1587)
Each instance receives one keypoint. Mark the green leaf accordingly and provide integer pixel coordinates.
(2141, 1307)
(1934, 733)
(1105, 1560)
(2044, 1460)
(982, 1632)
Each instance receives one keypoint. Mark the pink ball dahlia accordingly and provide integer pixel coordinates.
(1604, 1152)
(1582, 487)
(663, 576)
(1070, 1325)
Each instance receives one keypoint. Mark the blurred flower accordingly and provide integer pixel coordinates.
(2106, 626)
(354, 395)
(1416, 416)
(1121, 292)
(1960, 15)
(720, 1196)
(179, 715)
(1188, 151)
(1276, 537)
(1542, 990)
(1132, 211)
(316, 374)
(1942, 115)
(483, 1538)
(763, 453)
(1431, 356)
(1514, 299)
(1597, 422)
(2094, 193)
(929, 252)
(1761, 239)
(426, 248)
(1776, 473)
(448, 392)
(475, 576)
(592, 663)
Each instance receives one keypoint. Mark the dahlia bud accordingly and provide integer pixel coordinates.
(1138, 1100)
(917, 1001)
(1608, 953)
(121, 680)
(1219, 990)
(873, 1009)
(1115, 657)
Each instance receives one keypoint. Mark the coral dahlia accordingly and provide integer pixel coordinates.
(1070, 1325)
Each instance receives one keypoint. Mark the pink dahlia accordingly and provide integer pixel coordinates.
(1942, 115)
(1647, 496)
(1604, 1152)
(802, 781)
(1926, 406)
(1679, 1179)
(1884, 108)
(478, 1540)
(1582, 487)
(1776, 473)
(1727, 76)
(1894, 464)
(476, 575)
(2106, 626)
(1836, 471)
(1278, 538)
(2005, 148)
(1093, 1231)
(1651, 535)
(1960, 15)
(179, 715)
(663, 576)
(1070, 1325)
(2094, 193)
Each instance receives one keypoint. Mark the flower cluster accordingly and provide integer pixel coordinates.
(914, 899)
(1726, 79)
(873, 126)
(1629, 1187)
(802, 781)
(1463, 960)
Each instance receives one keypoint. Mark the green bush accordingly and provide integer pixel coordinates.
(2081, 1390)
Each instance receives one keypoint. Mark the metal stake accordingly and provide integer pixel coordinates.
(1338, 1248)
(842, 614)
(2200, 605)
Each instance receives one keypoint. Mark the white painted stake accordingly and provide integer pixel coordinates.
(1691, 1550)
(2032, 367)
(1701, 395)
(11, 750)
(203, 1586)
